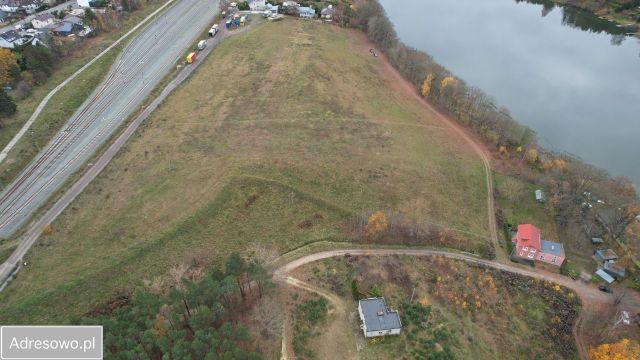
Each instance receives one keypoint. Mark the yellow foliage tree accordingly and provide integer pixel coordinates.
(7, 60)
(424, 302)
(47, 229)
(502, 150)
(624, 349)
(426, 85)
(377, 223)
(447, 81)
(532, 156)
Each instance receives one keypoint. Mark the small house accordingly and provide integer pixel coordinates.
(11, 39)
(528, 247)
(603, 256)
(43, 20)
(539, 196)
(327, 13)
(66, 28)
(76, 20)
(604, 276)
(12, 6)
(377, 319)
(307, 12)
(597, 241)
(272, 9)
(617, 272)
(257, 5)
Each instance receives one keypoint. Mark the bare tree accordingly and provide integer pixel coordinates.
(269, 314)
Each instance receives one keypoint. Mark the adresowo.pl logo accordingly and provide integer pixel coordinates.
(50, 342)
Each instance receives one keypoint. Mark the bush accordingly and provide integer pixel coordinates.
(243, 6)
(7, 105)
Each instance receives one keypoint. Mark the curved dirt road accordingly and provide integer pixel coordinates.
(589, 295)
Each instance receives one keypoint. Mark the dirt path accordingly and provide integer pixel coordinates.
(335, 301)
(404, 86)
(589, 295)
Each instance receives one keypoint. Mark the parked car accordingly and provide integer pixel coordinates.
(605, 288)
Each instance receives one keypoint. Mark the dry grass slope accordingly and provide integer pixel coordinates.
(283, 135)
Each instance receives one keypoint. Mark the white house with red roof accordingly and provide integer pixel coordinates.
(529, 246)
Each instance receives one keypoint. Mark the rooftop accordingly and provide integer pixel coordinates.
(10, 36)
(607, 254)
(550, 247)
(44, 17)
(376, 315)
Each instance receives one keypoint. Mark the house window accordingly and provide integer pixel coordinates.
(533, 251)
(531, 255)
(521, 254)
(554, 259)
(525, 248)
(541, 257)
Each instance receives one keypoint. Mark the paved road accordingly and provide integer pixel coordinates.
(140, 67)
(73, 4)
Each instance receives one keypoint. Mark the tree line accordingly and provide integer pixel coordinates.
(468, 104)
(193, 320)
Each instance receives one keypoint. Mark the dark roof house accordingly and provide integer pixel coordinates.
(617, 272)
(603, 255)
(377, 319)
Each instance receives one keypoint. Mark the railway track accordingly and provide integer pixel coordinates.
(139, 68)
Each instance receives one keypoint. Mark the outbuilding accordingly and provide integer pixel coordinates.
(377, 319)
(603, 255)
(604, 276)
(539, 196)
(307, 12)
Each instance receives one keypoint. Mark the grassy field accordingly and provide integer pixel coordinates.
(62, 105)
(282, 136)
(473, 313)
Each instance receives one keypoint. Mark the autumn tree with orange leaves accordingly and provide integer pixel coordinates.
(376, 224)
(624, 349)
(7, 62)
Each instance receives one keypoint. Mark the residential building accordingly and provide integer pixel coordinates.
(603, 256)
(43, 20)
(307, 12)
(273, 9)
(377, 319)
(66, 28)
(529, 247)
(12, 6)
(257, 5)
(11, 39)
(327, 13)
(83, 3)
(76, 20)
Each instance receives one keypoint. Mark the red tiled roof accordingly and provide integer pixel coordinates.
(528, 235)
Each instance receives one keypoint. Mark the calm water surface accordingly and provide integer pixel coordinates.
(570, 76)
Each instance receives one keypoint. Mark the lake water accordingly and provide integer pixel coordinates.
(570, 76)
